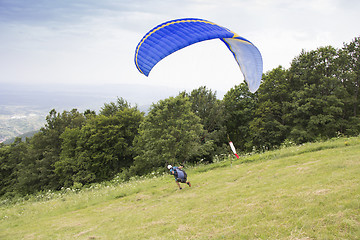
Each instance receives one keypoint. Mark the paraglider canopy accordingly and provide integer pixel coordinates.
(174, 35)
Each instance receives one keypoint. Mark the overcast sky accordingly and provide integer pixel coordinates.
(93, 41)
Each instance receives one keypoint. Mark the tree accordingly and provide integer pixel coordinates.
(268, 129)
(239, 109)
(112, 108)
(69, 166)
(352, 50)
(211, 112)
(170, 133)
(100, 149)
(10, 159)
(349, 68)
(37, 171)
(316, 98)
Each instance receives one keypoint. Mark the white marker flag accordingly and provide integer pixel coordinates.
(233, 149)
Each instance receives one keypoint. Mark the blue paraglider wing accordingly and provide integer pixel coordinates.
(174, 35)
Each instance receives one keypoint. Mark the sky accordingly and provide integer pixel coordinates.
(92, 42)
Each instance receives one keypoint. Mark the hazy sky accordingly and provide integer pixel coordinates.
(93, 41)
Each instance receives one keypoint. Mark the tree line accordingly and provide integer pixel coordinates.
(316, 98)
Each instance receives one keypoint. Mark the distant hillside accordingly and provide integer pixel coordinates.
(302, 192)
(22, 136)
(20, 121)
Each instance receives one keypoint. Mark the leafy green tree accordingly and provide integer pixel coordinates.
(5, 169)
(37, 170)
(211, 112)
(349, 68)
(353, 62)
(68, 165)
(316, 103)
(170, 133)
(268, 128)
(239, 110)
(10, 159)
(206, 106)
(100, 149)
(112, 108)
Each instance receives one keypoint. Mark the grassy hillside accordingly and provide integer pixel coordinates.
(301, 192)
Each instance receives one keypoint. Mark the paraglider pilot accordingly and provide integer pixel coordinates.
(179, 174)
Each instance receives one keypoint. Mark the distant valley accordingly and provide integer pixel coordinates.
(19, 120)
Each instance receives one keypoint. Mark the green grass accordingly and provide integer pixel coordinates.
(301, 192)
